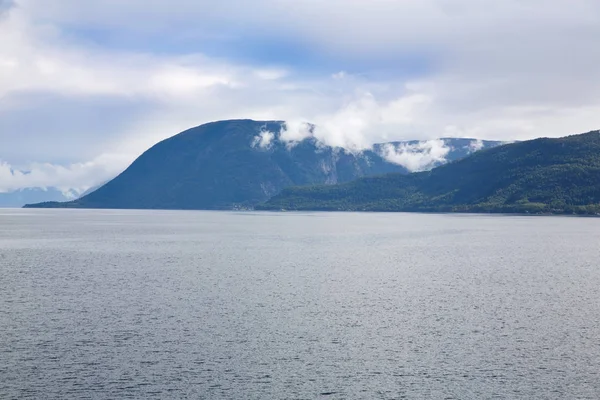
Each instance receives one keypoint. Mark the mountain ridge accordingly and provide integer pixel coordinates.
(236, 164)
(537, 176)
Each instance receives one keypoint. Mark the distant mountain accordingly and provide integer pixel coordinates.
(240, 163)
(536, 176)
(21, 197)
(18, 198)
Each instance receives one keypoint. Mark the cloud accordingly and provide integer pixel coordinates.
(264, 139)
(78, 177)
(60, 129)
(362, 121)
(82, 80)
(365, 27)
(348, 127)
(37, 58)
(475, 145)
(295, 131)
(416, 157)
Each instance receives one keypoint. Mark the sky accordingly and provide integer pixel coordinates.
(87, 85)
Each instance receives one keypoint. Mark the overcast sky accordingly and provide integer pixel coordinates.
(87, 85)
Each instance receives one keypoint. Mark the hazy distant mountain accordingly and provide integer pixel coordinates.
(241, 163)
(536, 176)
(19, 198)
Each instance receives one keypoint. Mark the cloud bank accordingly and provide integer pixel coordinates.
(71, 178)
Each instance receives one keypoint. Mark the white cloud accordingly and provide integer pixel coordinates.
(475, 145)
(34, 59)
(295, 131)
(78, 177)
(419, 156)
(363, 120)
(264, 139)
(348, 127)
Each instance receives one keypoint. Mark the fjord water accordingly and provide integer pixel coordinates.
(223, 305)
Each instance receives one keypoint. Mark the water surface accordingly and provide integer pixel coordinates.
(218, 305)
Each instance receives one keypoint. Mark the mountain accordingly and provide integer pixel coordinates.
(240, 163)
(536, 176)
(18, 198)
(91, 190)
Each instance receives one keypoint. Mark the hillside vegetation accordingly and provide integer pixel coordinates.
(536, 176)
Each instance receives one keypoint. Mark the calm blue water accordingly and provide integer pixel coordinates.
(217, 305)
